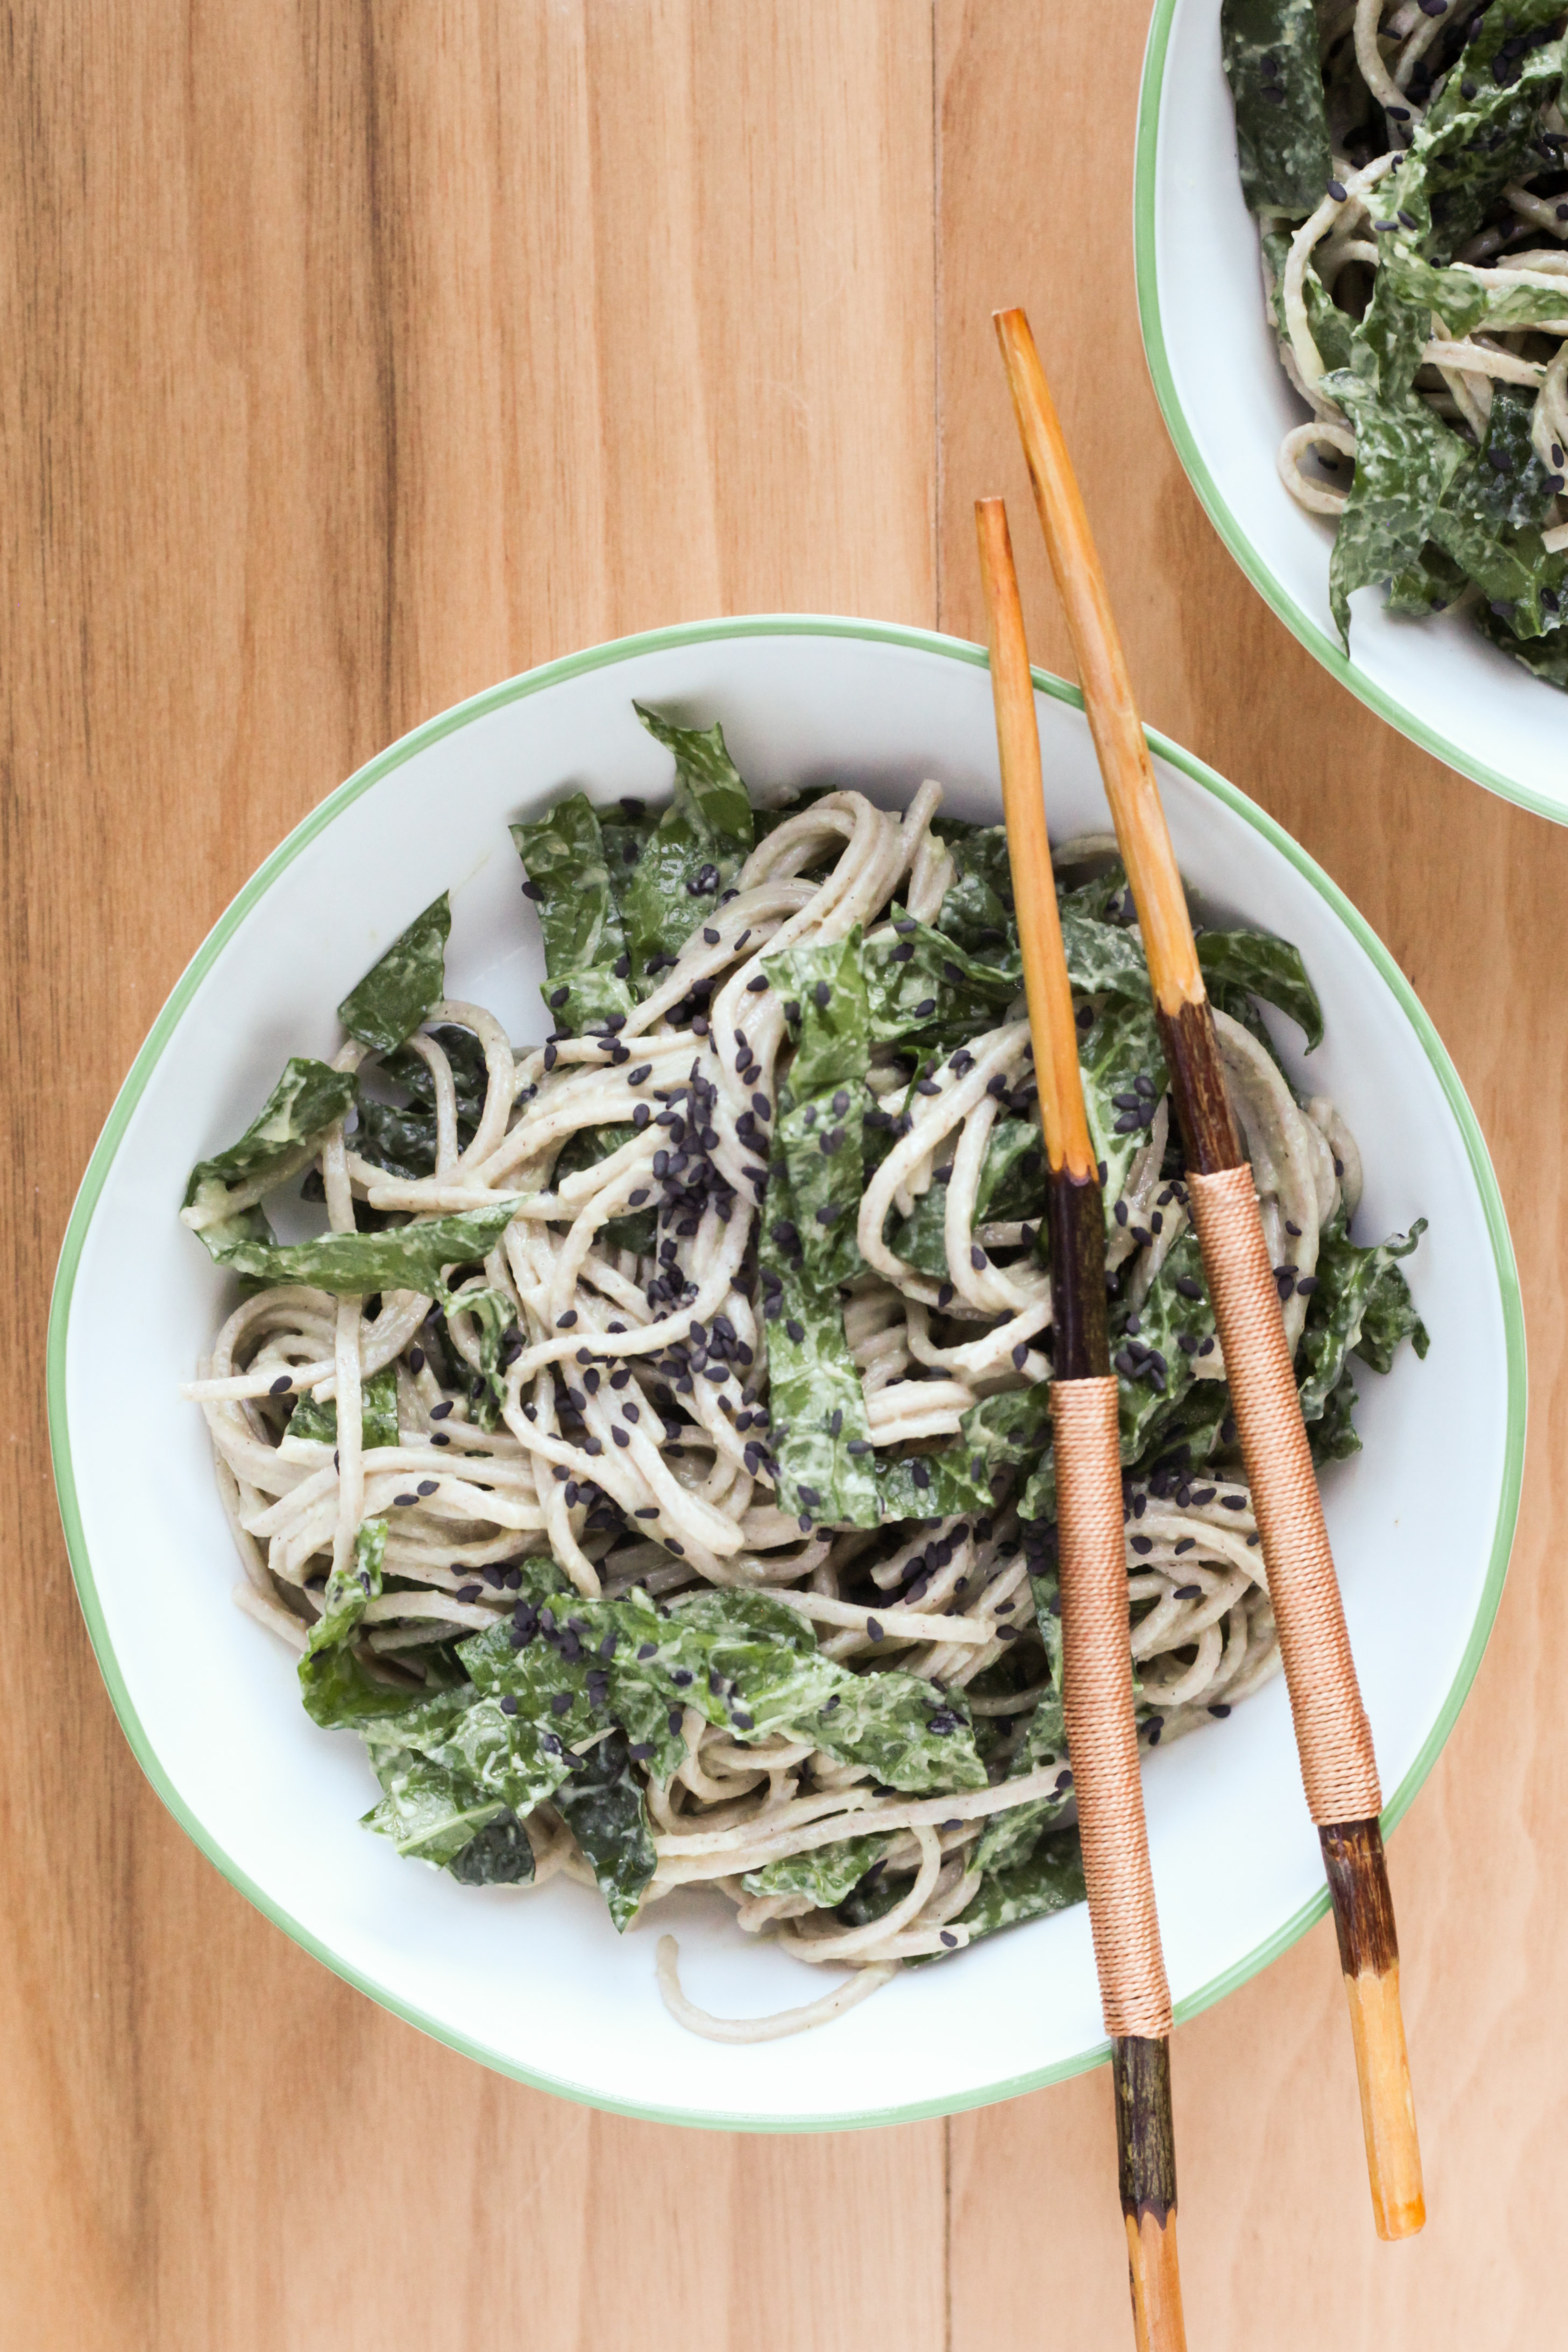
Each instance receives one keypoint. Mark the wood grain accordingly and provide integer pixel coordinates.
(356, 357)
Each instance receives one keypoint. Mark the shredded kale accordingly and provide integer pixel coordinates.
(827, 1873)
(308, 1099)
(568, 881)
(1270, 51)
(350, 1589)
(378, 1413)
(395, 994)
(695, 850)
(403, 1257)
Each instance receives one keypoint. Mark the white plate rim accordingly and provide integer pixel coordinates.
(1231, 529)
(163, 1031)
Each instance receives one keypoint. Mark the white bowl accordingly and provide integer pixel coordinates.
(539, 1985)
(1217, 374)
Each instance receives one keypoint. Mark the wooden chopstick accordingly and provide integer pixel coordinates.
(1102, 1682)
(1352, 1849)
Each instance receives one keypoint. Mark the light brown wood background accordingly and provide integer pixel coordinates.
(352, 358)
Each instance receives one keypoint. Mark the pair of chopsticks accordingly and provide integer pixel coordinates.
(1333, 1738)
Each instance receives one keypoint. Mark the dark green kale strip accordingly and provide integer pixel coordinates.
(825, 1468)
(821, 1143)
(1270, 53)
(1051, 1880)
(1546, 655)
(1489, 524)
(401, 1138)
(341, 1694)
(996, 1437)
(1050, 1729)
(1429, 583)
(1253, 963)
(1156, 1348)
(818, 1132)
(1332, 1437)
(1103, 958)
(499, 1855)
(1333, 329)
(1414, 288)
(1361, 1304)
(978, 910)
(1481, 131)
(568, 881)
(911, 1735)
(378, 1414)
(351, 1589)
(1123, 1073)
(922, 986)
(400, 1257)
(748, 1663)
(603, 1808)
(396, 994)
(497, 1317)
(1011, 1189)
(827, 1873)
(1405, 457)
(308, 1099)
(624, 831)
(429, 1814)
(695, 850)
(823, 993)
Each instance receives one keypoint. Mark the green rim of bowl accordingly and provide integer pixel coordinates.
(1232, 532)
(448, 722)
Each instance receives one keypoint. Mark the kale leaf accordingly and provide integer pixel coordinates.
(396, 994)
(1405, 457)
(378, 1413)
(569, 884)
(428, 1813)
(402, 1257)
(827, 1873)
(1262, 966)
(1270, 53)
(695, 850)
(820, 1436)
(1123, 1073)
(602, 1805)
(351, 1588)
(309, 1098)
(1361, 1304)
(1051, 1880)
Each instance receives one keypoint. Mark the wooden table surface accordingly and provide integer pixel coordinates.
(357, 357)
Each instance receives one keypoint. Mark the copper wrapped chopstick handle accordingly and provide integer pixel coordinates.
(1103, 1741)
(1101, 1734)
(1334, 1739)
(1332, 1736)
